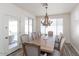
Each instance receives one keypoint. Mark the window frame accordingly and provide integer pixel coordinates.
(52, 25)
(28, 24)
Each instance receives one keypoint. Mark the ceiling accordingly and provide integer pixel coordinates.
(53, 8)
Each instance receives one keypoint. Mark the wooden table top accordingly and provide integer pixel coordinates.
(44, 45)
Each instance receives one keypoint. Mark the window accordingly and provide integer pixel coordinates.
(28, 25)
(13, 33)
(56, 27)
(59, 25)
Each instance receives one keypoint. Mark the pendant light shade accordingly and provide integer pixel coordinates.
(46, 21)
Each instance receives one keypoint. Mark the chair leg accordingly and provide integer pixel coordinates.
(62, 51)
(23, 53)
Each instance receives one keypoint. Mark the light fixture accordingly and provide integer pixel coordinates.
(46, 21)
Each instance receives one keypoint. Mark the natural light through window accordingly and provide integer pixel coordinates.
(12, 33)
(28, 25)
(56, 26)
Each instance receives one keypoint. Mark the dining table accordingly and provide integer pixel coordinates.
(46, 43)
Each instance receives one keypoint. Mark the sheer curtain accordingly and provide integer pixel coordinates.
(28, 25)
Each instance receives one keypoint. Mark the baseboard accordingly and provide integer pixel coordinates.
(75, 48)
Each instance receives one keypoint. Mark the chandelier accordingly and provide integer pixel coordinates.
(46, 21)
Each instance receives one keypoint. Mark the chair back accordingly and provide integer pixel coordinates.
(31, 49)
(24, 38)
(38, 35)
(50, 33)
(60, 36)
(62, 44)
(34, 36)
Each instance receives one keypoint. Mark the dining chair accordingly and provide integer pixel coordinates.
(24, 38)
(62, 45)
(36, 35)
(59, 51)
(50, 33)
(60, 36)
(58, 40)
(31, 49)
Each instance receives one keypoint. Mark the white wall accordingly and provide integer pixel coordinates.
(66, 24)
(75, 28)
(12, 10)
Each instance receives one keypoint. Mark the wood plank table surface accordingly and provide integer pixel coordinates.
(46, 44)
